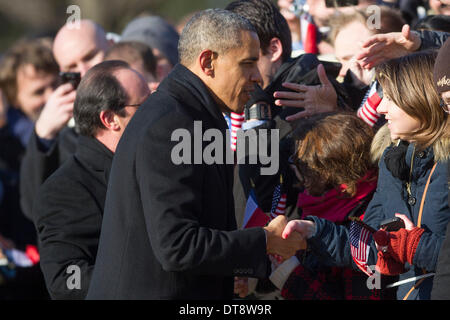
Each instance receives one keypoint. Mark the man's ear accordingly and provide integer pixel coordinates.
(110, 120)
(206, 58)
(275, 49)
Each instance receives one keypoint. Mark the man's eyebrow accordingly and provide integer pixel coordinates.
(90, 54)
(250, 59)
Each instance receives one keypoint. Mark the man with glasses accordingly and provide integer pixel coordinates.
(69, 206)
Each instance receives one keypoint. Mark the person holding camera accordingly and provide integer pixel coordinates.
(53, 141)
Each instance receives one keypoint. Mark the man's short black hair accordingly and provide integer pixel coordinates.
(99, 90)
(268, 22)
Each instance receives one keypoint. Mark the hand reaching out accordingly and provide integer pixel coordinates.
(285, 247)
(305, 227)
(381, 47)
(314, 99)
(361, 76)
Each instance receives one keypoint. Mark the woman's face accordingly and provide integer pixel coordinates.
(399, 122)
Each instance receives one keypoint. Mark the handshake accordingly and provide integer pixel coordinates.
(285, 239)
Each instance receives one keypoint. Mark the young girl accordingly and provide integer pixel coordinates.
(412, 181)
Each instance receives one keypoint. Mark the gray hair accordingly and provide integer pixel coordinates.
(216, 29)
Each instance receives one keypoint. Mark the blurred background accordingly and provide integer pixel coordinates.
(20, 18)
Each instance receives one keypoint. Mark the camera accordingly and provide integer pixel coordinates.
(340, 3)
(258, 111)
(73, 77)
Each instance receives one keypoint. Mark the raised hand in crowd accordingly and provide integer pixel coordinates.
(314, 99)
(361, 77)
(56, 112)
(286, 246)
(381, 47)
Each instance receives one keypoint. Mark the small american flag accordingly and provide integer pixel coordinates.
(236, 124)
(368, 110)
(278, 202)
(359, 245)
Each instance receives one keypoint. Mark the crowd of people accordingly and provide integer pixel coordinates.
(94, 206)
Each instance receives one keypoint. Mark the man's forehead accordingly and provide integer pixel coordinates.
(29, 71)
(71, 44)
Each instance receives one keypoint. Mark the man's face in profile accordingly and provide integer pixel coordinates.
(81, 56)
(236, 72)
(79, 49)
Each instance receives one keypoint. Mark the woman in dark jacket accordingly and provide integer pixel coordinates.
(412, 174)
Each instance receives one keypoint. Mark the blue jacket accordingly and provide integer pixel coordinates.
(391, 197)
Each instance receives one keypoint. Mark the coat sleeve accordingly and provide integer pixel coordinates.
(172, 197)
(68, 225)
(37, 165)
(432, 39)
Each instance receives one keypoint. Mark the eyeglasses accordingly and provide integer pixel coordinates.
(445, 106)
(292, 159)
(137, 105)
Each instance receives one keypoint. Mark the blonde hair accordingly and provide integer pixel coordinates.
(391, 21)
(408, 82)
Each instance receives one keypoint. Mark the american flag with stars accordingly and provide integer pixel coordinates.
(278, 202)
(360, 237)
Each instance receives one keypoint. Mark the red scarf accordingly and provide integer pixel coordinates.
(334, 205)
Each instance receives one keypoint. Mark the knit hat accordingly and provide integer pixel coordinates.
(155, 32)
(441, 73)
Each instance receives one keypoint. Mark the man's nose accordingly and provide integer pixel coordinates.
(83, 68)
(256, 77)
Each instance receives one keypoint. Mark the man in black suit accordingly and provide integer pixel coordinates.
(69, 205)
(169, 230)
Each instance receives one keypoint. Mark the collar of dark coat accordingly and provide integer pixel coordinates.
(187, 88)
(95, 155)
(183, 85)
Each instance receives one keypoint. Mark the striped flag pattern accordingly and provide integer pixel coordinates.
(359, 246)
(237, 120)
(368, 110)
